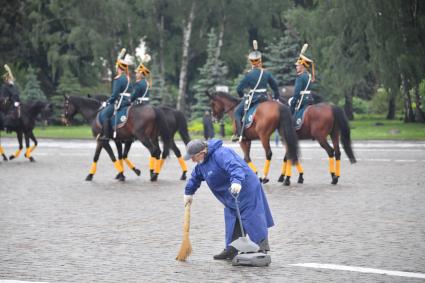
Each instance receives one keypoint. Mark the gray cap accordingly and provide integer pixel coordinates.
(194, 147)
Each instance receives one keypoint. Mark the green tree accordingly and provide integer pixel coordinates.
(68, 85)
(32, 90)
(211, 74)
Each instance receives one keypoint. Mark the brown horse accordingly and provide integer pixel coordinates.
(320, 121)
(270, 115)
(144, 123)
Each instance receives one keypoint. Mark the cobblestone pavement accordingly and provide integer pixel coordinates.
(56, 227)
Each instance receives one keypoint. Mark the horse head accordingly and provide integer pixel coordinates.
(69, 110)
(222, 103)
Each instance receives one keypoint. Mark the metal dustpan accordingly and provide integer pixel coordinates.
(243, 244)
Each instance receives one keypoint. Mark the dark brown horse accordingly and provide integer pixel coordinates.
(144, 123)
(320, 121)
(270, 115)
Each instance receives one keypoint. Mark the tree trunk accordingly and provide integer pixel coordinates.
(391, 106)
(419, 114)
(409, 116)
(130, 35)
(187, 31)
(160, 28)
(348, 106)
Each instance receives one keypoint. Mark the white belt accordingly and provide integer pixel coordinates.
(125, 94)
(143, 99)
(305, 92)
(259, 90)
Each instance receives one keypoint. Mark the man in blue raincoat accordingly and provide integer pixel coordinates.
(226, 173)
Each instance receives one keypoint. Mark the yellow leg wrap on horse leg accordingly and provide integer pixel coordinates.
(17, 153)
(93, 168)
(283, 168)
(288, 168)
(161, 163)
(129, 164)
(118, 166)
(122, 164)
(1, 150)
(338, 168)
(266, 168)
(157, 168)
(28, 152)
(252, 166)
(300, 168)
(183, 164)
(331, 165)
(32, 148)
(152, 161)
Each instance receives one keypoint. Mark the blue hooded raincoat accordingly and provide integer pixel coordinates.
(222, 167)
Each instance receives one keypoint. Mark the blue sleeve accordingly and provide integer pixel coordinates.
(242, 85)
(297, 90)
(116, 90)
(273, 85)
(194, 182)
(226, 160)
(136, 88)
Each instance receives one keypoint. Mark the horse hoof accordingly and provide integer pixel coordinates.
(151, 171)
(265, 180)
(11, 157)
(117, 176)
(32, 159)
(334, 180)
(183, 176)
(287, 181)
(300, 179)
(5, 158)
(281, 178)
(154, 177)
(121, 177)
(89, 177)
(137, 171)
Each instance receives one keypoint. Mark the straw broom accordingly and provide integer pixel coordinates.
(186, 247)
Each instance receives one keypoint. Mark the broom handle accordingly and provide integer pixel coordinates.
(239, 215)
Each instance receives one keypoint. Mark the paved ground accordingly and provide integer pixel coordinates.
(56, 227)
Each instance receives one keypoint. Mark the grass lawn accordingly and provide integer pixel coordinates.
(362, 128)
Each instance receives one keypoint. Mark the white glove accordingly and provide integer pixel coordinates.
(104, 104)
(235, 188)
(188, 199)
(16, 104)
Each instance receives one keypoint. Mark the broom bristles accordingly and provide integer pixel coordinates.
(186, 247)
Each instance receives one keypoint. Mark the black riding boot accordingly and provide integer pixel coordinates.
(238, 124)
(106, 131)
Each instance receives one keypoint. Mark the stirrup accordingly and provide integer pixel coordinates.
(235, 138)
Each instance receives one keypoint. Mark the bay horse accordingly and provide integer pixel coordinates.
(24, 124)
(320, 121)
(270, 115)
(176, 123)
(144, 123)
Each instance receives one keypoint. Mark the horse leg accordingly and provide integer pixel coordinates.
(119, 152)
(27, 146)
(330, 151)
(246, 147)
(32, 137)
(266, 145)
(182, 163)
(283, 171)
(19, 136)
(154, 162)
(300, 172)
(335, 142)
(117, 164)
(95, 159)
(286, 171)
(127, 161)
(3, 154)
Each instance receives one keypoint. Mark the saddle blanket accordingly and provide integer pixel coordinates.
(249, 116)
(118, 122)
(299, 117)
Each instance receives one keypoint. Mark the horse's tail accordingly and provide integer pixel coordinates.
(182, 126)
(287, 132)
(342, 122)
(164, 131)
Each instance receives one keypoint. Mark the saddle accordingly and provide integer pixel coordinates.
(299, 117)
(118, 120)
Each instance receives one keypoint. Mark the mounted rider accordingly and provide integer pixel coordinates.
(120, 92)
(256, 80)
(10, 91)
(141, 89)
(302, 88)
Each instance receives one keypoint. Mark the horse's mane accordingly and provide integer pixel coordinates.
(80, 101)
(227, 96)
